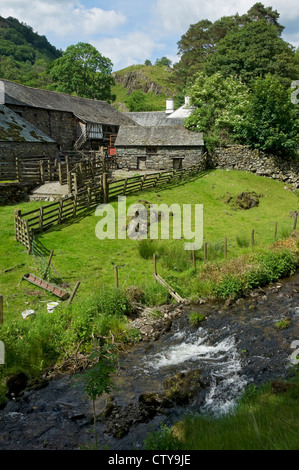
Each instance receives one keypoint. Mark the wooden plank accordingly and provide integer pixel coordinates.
(62, 294)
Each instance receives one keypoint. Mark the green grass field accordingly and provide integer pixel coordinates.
(80, 256)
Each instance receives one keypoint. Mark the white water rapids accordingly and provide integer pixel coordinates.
(192, 350)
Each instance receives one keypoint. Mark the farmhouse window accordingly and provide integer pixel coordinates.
(151, 150)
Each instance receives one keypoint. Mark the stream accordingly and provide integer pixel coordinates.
(185, 369)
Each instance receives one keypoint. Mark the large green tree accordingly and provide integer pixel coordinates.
(198, 46)
(271, 123)
(83, 71)
(220, 106)
(254, 50)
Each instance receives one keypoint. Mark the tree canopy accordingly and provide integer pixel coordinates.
(251, 42)
(83, 71)
(271, 123)
(221, 105)
(254, 50)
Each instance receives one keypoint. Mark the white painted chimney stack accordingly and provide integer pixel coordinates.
(169, 106)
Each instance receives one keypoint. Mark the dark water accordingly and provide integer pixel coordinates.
(236, 345)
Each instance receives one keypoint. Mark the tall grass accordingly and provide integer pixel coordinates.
(264, 419)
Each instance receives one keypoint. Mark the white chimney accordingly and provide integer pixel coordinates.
(187, 100)
(169, 106)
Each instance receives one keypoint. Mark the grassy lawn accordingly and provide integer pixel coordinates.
(80, 256)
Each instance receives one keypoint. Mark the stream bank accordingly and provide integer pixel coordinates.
(184, 368)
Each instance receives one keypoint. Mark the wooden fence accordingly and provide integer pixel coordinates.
(78, 204)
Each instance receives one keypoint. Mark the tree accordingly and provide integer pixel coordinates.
(98, 378)
(83, 71)
(271, 123)
(147, 62)
(137, 101)
(199, 44)
(221, 105)
(254, 50)
(163, 62)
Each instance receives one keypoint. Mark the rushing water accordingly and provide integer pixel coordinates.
(187, 349)
(236, 345)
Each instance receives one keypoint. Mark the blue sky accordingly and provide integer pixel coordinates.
(131, 31)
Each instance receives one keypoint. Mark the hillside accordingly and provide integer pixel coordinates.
(24, 54)
(156, 82)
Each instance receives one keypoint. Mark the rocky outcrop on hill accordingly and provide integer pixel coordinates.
(138, 80)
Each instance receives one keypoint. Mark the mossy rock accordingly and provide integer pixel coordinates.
(182, 387)
(247, 200)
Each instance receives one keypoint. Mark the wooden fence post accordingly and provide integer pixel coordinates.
(205, 252)
(155, 264)
(295, 222)
(74, 292)
(49, 171)
(225, 248)
(60, 173)
(275, 231)
(1, 309)
(105, 187)
(50, 259)
(116, 276)
(88, 197)
(60, 211)
(252, 238)
(193, 257)
(75, 205)
(42, 172)
(17, 169)
(125, 186)
(17, 224)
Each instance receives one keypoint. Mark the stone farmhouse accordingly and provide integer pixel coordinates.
(160, 142)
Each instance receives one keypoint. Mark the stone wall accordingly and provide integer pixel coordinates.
(61, 126)
(13, 193)
(239, 157)
(127, 157)
(10, 150)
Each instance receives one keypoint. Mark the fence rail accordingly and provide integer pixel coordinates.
(78, 204)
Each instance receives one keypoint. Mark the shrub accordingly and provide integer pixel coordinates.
(162, 439)
(147, 248)
(242, 241)
(196, 318)
(231, 286)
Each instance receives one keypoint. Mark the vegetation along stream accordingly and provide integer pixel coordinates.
(188, 368)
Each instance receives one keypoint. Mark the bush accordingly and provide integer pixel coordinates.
(196, 318)
(147, 248)
(161, 440)
(231, 286)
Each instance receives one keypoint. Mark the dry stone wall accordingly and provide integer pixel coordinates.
(13, 193)
(239, 157)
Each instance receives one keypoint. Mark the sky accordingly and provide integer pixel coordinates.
(131, 31)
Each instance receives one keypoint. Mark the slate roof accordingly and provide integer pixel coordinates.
(154, 118)
(15, 129)
(85, 109)
(174, 136)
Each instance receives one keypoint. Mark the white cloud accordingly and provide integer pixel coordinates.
(64, 18)
(132, 49)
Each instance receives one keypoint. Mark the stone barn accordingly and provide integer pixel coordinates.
(18, 138)
(158, 148)
(71, 121)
